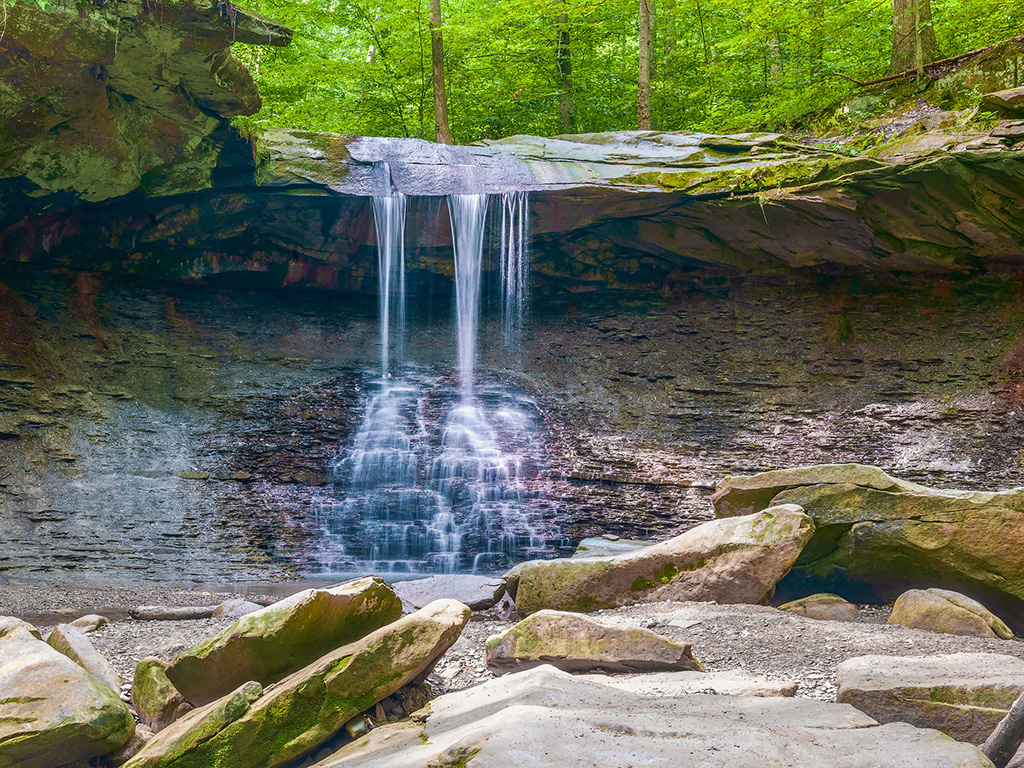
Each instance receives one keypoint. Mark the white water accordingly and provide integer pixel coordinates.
(389, 221)
(409, 505)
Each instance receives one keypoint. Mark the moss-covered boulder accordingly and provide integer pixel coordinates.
(823, 605)
(941, 610)
(270, 643)
(273, 642)
(157, 701)
(10, 623)
(76, 646)
(52, 711)
(964, 695)
(875, 536)
(310, 706)
(735, 560)
(578, 643)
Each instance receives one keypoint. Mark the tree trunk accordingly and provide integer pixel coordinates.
(566, 90)
(644, 78)
(913, 37)
(444, 135)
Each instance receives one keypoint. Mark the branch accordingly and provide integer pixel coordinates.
(1004, 741)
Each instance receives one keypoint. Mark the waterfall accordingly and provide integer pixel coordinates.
(407, 504)
(514, 267)
(467, 213)
(389, 221)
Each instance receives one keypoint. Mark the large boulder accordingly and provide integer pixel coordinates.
(746, 494)
(964, 695)
(76, 646)
(876, 536)
(310, 706)
(157, 701)
(10, 623)
(277, 640)
(941, 610)
(546, 717)
(52, 711)
(578, 643)
(738, 560)
(478, 592)
(824, 606)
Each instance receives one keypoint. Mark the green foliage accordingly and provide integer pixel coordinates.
(362, 66)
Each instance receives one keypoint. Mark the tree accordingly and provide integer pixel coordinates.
(566, 90)
(444, 134)
(644, 78)
(913, 36)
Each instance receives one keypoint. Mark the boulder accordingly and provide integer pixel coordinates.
(730, 682)
(964, 695)
(1008, 102)
(546, 717)
(746, 494)
(577, 643)
(277, 640)
(140, 739)
(89, 623)
(310, 706)
(76, 646)
(478, 592)
(235, 608)
(158, 702)
(52, 711)
(941, 610)
(737, 560)
(10, 623)
(607, 544)
(823, 605)
(876, 536)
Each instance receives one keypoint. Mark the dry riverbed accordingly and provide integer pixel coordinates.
(758, 640)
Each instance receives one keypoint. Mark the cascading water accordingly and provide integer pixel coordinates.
(514, 266)
(408, 504)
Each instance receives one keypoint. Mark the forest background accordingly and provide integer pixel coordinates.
(549, 67)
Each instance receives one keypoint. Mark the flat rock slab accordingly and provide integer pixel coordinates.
(574, 642)
(964, 695)
(172, 612)
(546, 717)
(724, 683)
(478, 592)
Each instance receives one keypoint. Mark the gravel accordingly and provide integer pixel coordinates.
(756, 639)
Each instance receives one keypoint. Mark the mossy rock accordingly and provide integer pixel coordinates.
(940, 610)
(823, 605)
(269, 644)
(158, 702)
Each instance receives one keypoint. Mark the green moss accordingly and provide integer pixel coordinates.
(640, 584)
(456, 758)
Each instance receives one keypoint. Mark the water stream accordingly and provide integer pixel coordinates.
(436, 479)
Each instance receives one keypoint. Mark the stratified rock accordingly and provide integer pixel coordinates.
(729, 682)
(478, 592)
(89, 623)
(10, 623)
(312, 705)
(964, 695)
(738, 560)
(283, 637)
(873, 530)
(941, 610)
(577, 643)
(158, 702)
(746, 494)
(235, 608)
(1010, 101)
(822, 606)
(172, 612)
(52, 711)
(76, 646)
(546, 717)
(603, 546)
